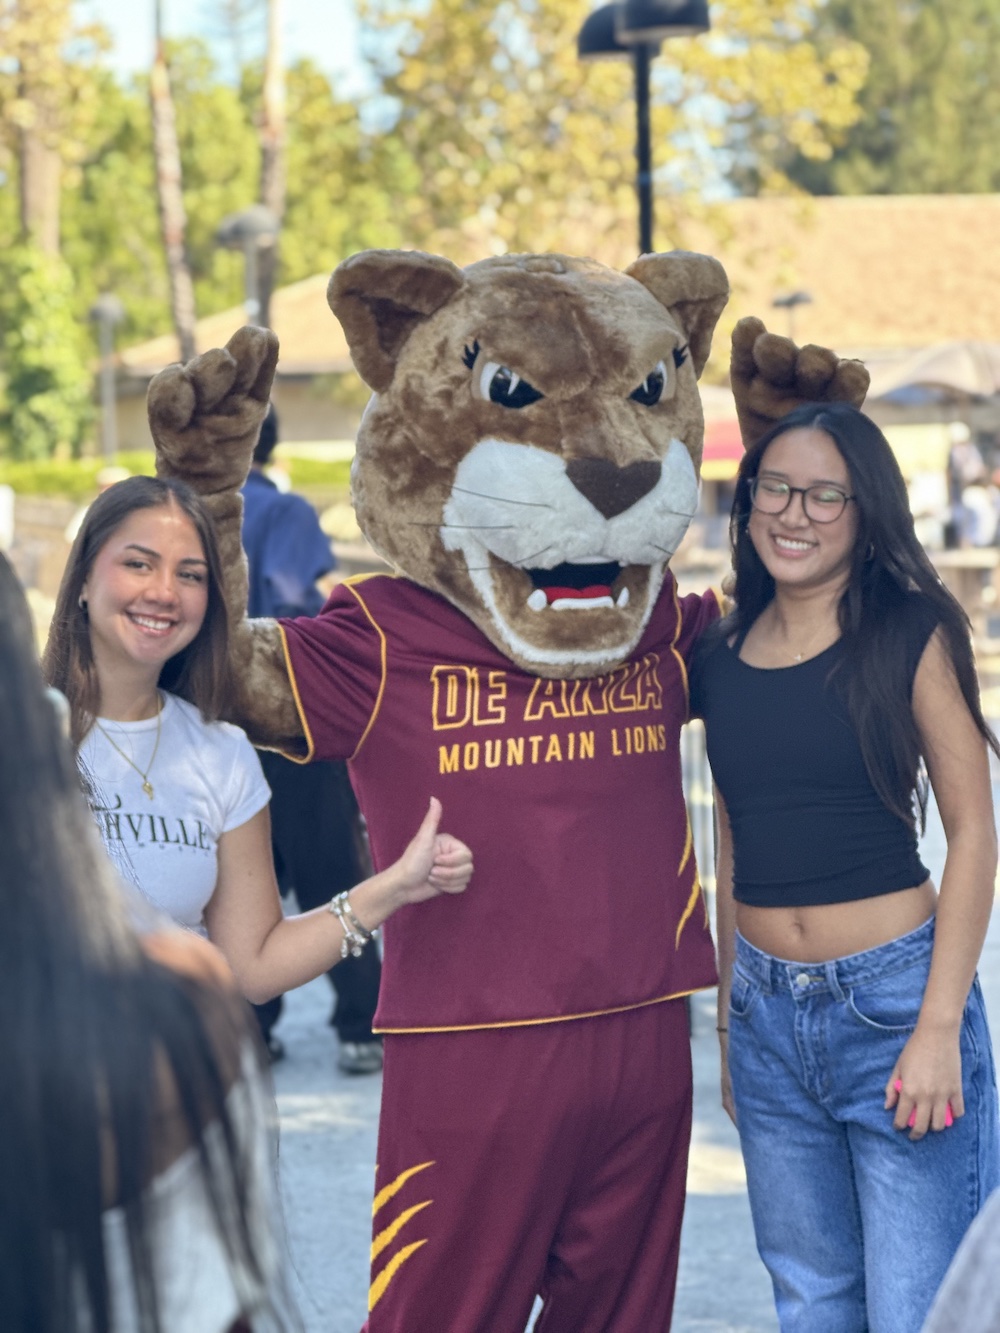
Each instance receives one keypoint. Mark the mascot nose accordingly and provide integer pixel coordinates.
(609, 488)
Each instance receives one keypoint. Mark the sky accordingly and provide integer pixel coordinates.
(326, 31)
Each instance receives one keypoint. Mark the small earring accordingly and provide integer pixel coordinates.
(81, 602)
(870, 553)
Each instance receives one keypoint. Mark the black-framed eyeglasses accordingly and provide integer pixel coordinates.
(822, 503)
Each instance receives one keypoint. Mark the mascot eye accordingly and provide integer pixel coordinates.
(649, 391)
(504, 386)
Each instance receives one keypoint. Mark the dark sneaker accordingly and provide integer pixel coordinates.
(360, 1057)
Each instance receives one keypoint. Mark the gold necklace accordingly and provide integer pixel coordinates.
(813, 638)
(147, 786)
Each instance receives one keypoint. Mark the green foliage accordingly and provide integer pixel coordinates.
(520, 146)
(311, 474)
(45, 384)
(71, 478)
(930, 103)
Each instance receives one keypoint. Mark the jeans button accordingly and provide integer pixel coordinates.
(803, 979)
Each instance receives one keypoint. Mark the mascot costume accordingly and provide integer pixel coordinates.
(527, 464)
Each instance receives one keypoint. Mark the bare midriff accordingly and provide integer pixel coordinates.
(835, 930)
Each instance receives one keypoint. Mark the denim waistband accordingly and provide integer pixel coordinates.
(838, 973)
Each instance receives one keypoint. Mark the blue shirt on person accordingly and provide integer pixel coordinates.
(286, 549)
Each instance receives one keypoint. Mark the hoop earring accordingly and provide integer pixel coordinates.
(81, 602)
(870, 553)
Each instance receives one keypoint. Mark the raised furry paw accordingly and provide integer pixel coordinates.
(205, 416)
(771, 376)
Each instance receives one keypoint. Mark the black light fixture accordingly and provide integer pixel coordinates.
(597, 39)
(656, 20)
(249, 230)
(635, 28)
(789, 303)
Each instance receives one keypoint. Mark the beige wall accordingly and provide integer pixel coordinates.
(305, 413)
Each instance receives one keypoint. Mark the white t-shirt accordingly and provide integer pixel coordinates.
(206, 779)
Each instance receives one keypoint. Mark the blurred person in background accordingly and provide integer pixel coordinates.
(316, 831)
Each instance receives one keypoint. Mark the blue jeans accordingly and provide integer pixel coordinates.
(855, 1223)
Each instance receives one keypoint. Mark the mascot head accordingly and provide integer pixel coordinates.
(532, 447)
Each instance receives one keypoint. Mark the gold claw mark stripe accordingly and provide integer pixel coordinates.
(394, 1186)
(390, 1233)
(688, 844)
(377, 1289)
(695, 886)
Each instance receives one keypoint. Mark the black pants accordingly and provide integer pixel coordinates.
(318, 852)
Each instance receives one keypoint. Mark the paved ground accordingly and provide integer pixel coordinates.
(328, 1124)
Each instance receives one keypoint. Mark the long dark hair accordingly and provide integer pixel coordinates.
(199, 672)
(105, 1052)
(888, 566)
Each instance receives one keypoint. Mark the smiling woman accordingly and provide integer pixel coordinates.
(139, 645)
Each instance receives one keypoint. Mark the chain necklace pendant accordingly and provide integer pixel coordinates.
(147, 787)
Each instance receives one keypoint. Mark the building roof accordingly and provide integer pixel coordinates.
(312, 341)
(885, 272)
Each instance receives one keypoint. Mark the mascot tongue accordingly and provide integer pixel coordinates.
(576, 582)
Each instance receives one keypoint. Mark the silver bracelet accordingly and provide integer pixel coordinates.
(361, 930)
(354, 939)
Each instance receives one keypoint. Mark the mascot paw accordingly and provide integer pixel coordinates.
(205, 416)
(771, 376)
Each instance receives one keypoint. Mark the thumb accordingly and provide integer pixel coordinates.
(429, 825)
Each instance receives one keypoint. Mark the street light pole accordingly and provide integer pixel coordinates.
(642, 56)
(634, 29)
(106, 312)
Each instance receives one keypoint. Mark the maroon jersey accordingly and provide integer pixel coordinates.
(585, 897)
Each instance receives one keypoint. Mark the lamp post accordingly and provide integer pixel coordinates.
(789, 303)
(633, 30)
(249, 230)
(106, 312)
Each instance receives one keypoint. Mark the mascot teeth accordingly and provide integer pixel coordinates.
(538, 601)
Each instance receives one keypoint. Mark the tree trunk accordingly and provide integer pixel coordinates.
(171, 202)
(272, 153)
(39, 163)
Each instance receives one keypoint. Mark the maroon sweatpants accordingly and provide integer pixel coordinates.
(546, 1160)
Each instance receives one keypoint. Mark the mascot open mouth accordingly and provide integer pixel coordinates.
(579, 586)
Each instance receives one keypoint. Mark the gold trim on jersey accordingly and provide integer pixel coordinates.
(538, 1022)
(349, 585)
(311, 750)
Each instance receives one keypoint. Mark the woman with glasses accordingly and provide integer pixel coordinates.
(856, 1059)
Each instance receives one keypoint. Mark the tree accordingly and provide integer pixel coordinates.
(169, 194)
(272, 132)
(930, 103)
(44, 104)
(45, 386)
(516, 145)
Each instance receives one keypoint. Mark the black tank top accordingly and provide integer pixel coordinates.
(808, 827)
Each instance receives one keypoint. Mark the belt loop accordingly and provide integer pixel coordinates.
(833, 981)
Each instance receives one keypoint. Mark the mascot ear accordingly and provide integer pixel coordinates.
(380, 296)
(694, 288)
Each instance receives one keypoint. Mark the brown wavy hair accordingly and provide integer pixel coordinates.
(199, 673)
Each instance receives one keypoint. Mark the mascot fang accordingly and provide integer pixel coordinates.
(527, 464)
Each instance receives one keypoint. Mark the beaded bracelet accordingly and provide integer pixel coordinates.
(356, 936)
